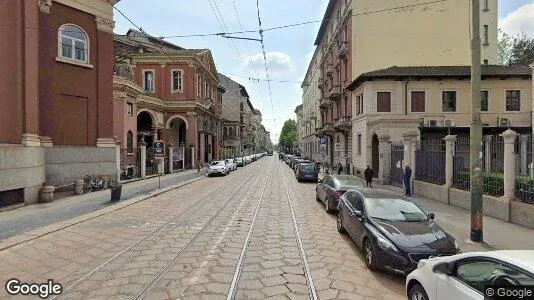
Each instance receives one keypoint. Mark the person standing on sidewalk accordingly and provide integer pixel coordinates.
(407, 177)
(339, 168)
(368, 173)
(198, 164)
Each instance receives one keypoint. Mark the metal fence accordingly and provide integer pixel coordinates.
(430, 161)
(460, 163)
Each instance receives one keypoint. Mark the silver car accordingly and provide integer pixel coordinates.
(218, 167)
(231, 164)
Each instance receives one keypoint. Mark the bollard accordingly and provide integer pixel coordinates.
(47, 194)
(78, 187)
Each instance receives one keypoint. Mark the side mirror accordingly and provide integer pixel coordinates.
(431, 216)
(358, 213)
(446, 268)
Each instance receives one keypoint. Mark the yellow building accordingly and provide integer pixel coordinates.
(418, 34)
(400, 101)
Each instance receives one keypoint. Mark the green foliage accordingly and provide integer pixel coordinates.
(493, 183)
(288, 136)
(517, 50)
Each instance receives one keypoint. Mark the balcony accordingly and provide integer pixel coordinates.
(123, 71)
(343, 124)
(343, 50)
(319, 132)
(325, 102)
(229, 137)
(334, 92)
(329, 69)
(328, 129)
(313, 115)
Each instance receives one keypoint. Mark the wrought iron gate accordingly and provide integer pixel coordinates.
(397, 157)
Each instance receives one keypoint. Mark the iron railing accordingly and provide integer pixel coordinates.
(430, 161)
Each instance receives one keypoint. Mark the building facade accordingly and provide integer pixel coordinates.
(311, 123)
(57, 115)
(400, 103)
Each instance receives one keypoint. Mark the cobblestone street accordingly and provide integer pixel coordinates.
(188, 243)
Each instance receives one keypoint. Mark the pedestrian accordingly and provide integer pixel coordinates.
(369, 176)
(339, 168)
(198, 164)
(407, 177)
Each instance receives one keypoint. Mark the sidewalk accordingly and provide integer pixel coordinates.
(68, 206)
(498, 235)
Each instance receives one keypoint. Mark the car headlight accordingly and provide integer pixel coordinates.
(457, 246)
(421, 263)
(386, 245)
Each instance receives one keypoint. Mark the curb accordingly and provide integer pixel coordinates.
(37, 233)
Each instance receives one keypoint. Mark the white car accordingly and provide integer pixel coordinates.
(470, 275)
(218, 167)
(231, 164)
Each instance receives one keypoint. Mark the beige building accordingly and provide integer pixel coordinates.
(434, 34)
(300, 130)
(404, 102)
(310, 121)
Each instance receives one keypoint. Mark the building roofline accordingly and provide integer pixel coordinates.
(320, 33)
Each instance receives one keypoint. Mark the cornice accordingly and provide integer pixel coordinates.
(142, 98)
(127, 85)
(98, 8)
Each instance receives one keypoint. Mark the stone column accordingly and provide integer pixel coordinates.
(118, 159)
(509, 137)
(487, 149)
(524, 148)
(409, 140)
(384, 160)
(449, 157)
(171, 149)
(193, 158)
(202, 148)
(142, 146)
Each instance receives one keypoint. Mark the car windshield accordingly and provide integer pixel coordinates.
(239, 159)
(394, 210)
(229, 161)
(350, 182)
(217, 163)
(307, 168)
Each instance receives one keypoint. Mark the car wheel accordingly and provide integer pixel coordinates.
(369, 254)
(340, 227)
(417, 292)
(328, 206)
(317, 197)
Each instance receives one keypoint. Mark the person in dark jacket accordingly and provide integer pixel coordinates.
(368, 173)
(339, 168)
(407, 177)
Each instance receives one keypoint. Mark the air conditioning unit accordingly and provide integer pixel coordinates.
(448, 123)
(503, 122)
(432, 123)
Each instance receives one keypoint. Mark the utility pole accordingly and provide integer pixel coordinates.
(476, 128)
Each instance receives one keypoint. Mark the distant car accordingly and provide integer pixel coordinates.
(307, 172)
(231, 164)
(331, 187)
(218, 167)
(270, 153)
(466, 276)
(393, 233)
(240, 162)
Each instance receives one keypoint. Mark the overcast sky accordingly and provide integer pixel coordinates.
(288, 50)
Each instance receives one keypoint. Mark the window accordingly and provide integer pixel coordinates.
(513, 100)
(418, 101)
(73, 43)
(199, 84)
(486, 62)
(486, 35)
(485, 5)
(225, 131)
(478, 273)
(359, 144)
(177, 79)
(129, 108)
(148, 81)
(484, 101)
(205, 89)
(230, 131)
(129, 142)
(448, 101)
(383, 100)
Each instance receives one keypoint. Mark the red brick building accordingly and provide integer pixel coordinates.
(56, 122)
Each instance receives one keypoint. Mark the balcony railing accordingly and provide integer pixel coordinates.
(329, 69)
(230, 137)
(334, 92)
(343, 49)
(325, 102)
(123, 71)
(343, 124)
(328, 129)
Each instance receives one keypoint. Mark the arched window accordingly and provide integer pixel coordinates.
(129, 142)
(73, 43)
(230, 131)
(225, 131)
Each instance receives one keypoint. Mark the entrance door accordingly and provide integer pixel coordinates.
(397, 157)
(375, 156)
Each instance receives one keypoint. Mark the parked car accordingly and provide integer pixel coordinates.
(231, 164)
(307, 172)
(218, 167)
(465, 276)
(240, 162)
(331, 187)
(298, 162)
(393, 233)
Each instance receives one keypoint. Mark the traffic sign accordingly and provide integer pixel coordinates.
(322, 141)
(159, 149)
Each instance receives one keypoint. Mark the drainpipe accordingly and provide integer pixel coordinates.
(406, 96)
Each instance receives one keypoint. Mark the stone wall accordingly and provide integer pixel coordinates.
(22, 167)
(65, 164)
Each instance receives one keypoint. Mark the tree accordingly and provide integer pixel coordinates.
(288, 136)
(515, 51)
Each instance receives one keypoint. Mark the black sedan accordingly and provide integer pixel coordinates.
(307, 172)
(393, 233)
(331, 187)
